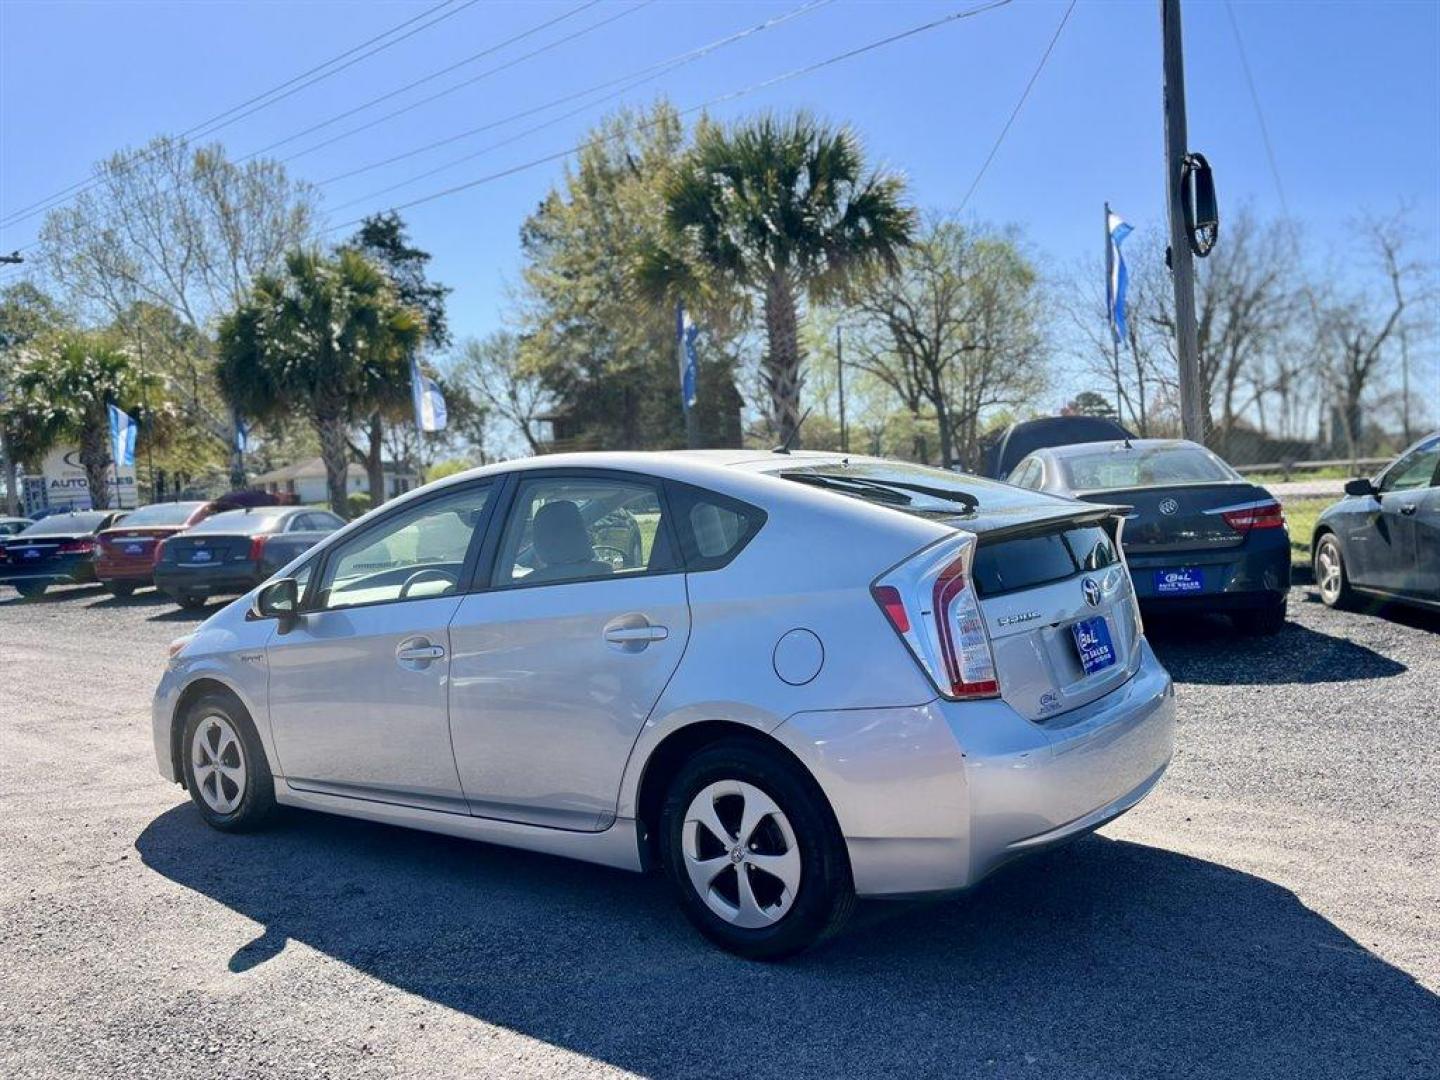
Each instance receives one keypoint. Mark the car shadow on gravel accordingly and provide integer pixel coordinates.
(56, 594)
(1207, 649)
(1410, 615)
(1107, 958)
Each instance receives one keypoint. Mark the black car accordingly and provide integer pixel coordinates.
(1383, 538)
(56, 550)
(1028, 436)
(1199, 535)
(231, 553)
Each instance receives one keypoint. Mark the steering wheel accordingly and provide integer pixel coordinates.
(428, 574)
(613, 555)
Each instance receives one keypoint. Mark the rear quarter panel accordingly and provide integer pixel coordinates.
(808, 570)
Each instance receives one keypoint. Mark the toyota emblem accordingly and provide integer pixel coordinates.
(1091, 589)
(1168, 506)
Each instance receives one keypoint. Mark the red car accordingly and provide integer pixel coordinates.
(125, 554)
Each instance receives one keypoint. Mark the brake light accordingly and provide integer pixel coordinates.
(257, 548)
(888, 597)
(930, 601)
(1257, 516)
(76, 547)
(158, 551)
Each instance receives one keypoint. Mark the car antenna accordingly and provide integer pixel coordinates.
(784, 448)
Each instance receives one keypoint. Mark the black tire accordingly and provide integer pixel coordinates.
(31, 590)
(254, 799)
(1261, 622)
(1340, 594)
(121, 590)
(825, 895)
(189, 601)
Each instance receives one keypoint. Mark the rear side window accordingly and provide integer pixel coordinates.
(1028, 561)
(713, 528)
(580, 528)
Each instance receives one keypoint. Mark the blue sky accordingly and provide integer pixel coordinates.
(1351, 94)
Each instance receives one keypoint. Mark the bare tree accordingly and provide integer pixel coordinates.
(956, 330)
(493, 371)
(1356, 329)
(184, 230)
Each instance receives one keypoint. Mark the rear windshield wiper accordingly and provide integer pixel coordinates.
(888, 491)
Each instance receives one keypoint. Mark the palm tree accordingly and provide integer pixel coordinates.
(775, 209)
(327, 337)
(60, 392)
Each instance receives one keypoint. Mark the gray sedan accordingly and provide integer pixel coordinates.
(1383, 539)
(787, 680)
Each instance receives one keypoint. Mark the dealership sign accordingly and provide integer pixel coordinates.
(62, 484)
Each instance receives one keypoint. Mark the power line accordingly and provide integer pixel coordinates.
(1044, 58)
(1259, 112)
(468, 82)
(254, 104)
(626, 83)
(427, 78)
(794, 73)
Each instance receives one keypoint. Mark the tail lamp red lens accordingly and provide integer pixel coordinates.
(1261, 516)
(77, 547)
(930, 602)
(257, 548)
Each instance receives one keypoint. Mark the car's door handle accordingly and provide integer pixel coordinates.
(420, 652)
(626, 635)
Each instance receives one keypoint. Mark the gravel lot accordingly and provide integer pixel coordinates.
(1270, 911)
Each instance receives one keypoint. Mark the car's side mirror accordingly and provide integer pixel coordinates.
(277, 600)
(1361, 485)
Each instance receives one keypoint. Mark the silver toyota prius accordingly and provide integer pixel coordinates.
(788, 680)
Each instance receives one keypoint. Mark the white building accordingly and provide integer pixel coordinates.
(306, 481)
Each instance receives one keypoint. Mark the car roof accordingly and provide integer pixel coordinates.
(683, 465)
(1119, 445)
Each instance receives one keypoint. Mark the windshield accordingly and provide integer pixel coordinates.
(66, 525)
(240, 521)
(1144, 466)
(162, 514)
(918, 489)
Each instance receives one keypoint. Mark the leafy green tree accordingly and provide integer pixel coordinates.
(26, 315)
(774, 210)
(605, 357)
(60, 394)
(382, 238)
(316, 338)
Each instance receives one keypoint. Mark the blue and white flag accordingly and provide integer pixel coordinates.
(429, 401)
(685, 334)
(122, 437)
(242, 435)
(1116, 277)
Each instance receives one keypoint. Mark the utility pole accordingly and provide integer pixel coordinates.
(1110, 316)
(840, 376)
(1182, 260)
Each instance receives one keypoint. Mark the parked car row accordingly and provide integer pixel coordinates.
(189, 550)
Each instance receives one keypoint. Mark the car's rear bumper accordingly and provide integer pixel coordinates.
(77, 573)
(222, 580)
(125, 573)
(933, 797)
(1253, 574)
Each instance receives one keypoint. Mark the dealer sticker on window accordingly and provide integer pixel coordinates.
(1187, 580)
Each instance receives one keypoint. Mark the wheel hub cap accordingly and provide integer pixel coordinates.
(740, 854)
(217, 760)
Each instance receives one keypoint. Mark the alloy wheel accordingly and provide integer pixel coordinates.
(1328, 571)
(217, 759)
(740, 854)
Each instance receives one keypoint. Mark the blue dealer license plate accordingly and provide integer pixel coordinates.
(1172, 582)
(1092, 642)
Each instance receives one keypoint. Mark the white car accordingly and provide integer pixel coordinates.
(787, 679)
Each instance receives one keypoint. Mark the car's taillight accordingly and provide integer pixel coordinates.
(158, 552)
(930, 602)
(1257, 516)
(257, 548)
(76, 547)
